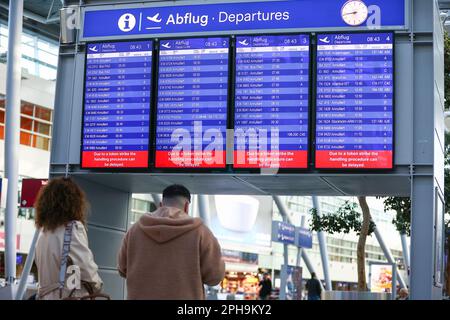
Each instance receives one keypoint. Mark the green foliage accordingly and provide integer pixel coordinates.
(344, 220)
(447, 70)
(347, 219)
(447, 135)
(447, 173)
(402, 206)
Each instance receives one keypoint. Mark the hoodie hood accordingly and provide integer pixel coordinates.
(167, 223)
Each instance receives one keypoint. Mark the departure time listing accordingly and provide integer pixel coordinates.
(117, 105)
(272, 102)
(192, 103)
(354, 115)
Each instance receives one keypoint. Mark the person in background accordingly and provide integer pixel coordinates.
(265, 287)
(61, 203)
(314, 288)
(403, 294)
(168, 255)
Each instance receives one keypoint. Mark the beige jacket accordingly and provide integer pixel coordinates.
(168, 255)
(48, 257)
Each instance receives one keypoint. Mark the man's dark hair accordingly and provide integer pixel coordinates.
(176, 190)
(313, 275)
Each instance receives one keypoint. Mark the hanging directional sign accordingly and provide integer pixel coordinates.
(283, 232)
(303, 238)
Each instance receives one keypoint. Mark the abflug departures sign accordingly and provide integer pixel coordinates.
(232, 17)
(271, 85)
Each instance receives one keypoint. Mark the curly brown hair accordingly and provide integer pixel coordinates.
(58, 203)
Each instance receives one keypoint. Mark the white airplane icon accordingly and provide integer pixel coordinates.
(155, 18)
(326, 40)
(94, 48)
(244, 42)
(166, 45)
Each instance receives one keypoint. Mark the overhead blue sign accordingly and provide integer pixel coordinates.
(283, 232)
(242, 16)
(304, 238)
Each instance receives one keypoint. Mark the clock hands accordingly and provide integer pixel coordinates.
(354, 12)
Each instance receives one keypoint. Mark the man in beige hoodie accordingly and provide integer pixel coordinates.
(168, 255)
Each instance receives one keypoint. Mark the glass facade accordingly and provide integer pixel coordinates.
(342, 250)
(140, 207)
(35, 125)
(39, 54)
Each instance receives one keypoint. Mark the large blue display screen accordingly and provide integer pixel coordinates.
(271, 101)
(355, 91)
(192, 103)
(116, 117)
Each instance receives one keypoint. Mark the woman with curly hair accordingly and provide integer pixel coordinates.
(61, 209)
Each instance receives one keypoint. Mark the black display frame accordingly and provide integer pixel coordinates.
(151, 107)
(313, 144)
(230, 121)
(253, 170)
(225, 167)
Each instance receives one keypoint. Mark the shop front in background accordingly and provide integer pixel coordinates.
(242, 276)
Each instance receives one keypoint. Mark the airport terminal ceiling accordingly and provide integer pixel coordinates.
(37, 12)
(40, 16)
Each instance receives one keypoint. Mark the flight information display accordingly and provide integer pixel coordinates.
(355, 91)
(116, 117)
(191, 118)
(272, 101)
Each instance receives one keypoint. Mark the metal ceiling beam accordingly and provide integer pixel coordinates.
(51, 14)
(444, 4)
(33, 16)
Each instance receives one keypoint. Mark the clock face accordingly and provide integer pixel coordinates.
(354, 12)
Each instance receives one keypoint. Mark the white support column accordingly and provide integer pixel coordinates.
(302, 254)
(284, 213)
(300, 249)
(156, 199)
(405, 250)
(12, 133)
(323, 247)
(308, 263)
(27, 268)
(388, 255)
(203, 209)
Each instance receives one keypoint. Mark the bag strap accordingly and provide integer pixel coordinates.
(65, 256)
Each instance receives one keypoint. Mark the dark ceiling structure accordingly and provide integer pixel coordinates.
(41, 16)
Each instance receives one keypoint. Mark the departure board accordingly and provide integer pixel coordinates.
(355, 93)
(116, 116)
(271, 101)
(191, 118)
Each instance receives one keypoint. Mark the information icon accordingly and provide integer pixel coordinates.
(126, 22)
